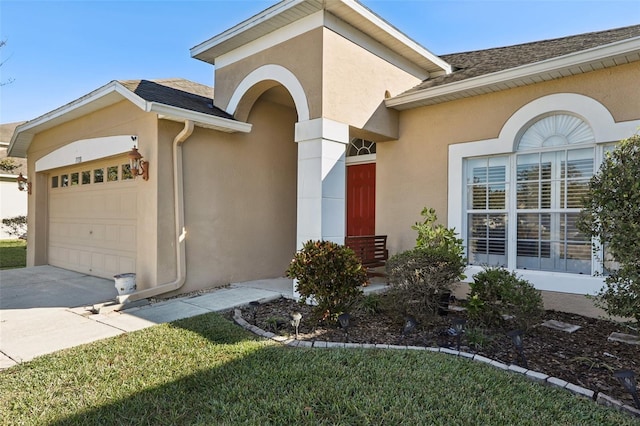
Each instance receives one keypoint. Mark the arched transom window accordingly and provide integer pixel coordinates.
(522, 208)
(359, 147)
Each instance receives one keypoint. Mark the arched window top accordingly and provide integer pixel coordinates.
(359, 146)
(556, 130)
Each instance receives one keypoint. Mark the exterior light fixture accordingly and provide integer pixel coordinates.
(23, 184)
(516, 338)
(296, 317)
(139, 167)
(344, 319)
(628, 380)
(410, 324)
(458, 327)
(253, 306)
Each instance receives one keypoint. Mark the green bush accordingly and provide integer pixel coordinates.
(611, 215)
(419, 278)
(495, 292)
(328, 274)
(432, 235)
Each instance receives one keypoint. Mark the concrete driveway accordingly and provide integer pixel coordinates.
(44, 309)
(36, 316)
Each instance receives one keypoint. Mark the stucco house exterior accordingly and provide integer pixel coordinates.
(328, 121)
(12, 202)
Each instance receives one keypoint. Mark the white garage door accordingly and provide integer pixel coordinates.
(92, 218)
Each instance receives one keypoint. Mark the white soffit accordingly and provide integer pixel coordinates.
(289, 11)
(610, 55)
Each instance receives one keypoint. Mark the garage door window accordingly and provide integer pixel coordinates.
(98, 176)
(86, 177)
(126, 172)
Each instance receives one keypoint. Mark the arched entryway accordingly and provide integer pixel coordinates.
(321, 147)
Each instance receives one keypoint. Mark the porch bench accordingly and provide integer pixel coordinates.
(372, 251)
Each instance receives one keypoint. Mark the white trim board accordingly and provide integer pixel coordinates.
(85, 150)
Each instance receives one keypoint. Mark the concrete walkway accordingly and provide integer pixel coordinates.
(44, 309)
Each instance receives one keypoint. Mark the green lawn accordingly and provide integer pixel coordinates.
(13, 254)
(205, 370)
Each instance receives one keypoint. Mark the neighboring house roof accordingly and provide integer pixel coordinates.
(172, 99)
(488, 70)
(6, 131)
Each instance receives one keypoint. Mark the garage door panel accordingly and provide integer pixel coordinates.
(92, 227)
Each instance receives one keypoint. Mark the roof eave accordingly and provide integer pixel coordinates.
(200, 119)
(289, 11)
(574, 63)
(106, 95)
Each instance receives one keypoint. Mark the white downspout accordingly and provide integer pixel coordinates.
(181, 232)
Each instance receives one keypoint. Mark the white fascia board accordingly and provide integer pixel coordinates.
(203, 120)
(397, 34)
(246, 25)
(278, 36)
(24, 133)
(525, 71)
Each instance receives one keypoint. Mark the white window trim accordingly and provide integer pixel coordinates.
(605, 130)
(361, 159)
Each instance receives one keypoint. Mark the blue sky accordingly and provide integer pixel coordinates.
(58, 51)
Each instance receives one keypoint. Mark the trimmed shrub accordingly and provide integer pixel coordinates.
(328, 274)
(419, 278)
(495, 292)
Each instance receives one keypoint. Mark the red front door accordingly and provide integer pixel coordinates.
(361, 199)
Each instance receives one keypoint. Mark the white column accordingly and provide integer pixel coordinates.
(321, 180)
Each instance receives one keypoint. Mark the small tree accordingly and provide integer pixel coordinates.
(436, 236)
(612, 215)
(421, 277)
(330, 274)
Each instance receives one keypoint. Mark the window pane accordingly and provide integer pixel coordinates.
(75, 179)
(54, 181)
(98, 176)
(528, 195)
(497, 196)
(112, 173)
(86, 177)
(64, 180)
(126, 172)
(487, 239)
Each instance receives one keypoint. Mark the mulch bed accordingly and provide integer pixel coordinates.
(584, 357)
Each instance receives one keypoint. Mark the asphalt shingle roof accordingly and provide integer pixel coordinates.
(482, 62)
(177, 92)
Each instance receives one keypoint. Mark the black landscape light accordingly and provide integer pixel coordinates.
(344, 321)
(458, 325)
(296, 317)
(410, 324)
(516, 338)
(628, 380)
(253, 306)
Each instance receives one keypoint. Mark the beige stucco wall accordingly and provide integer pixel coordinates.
(122, 118)
(354, 85)
(342, 81)
(301, 55)
(412, 171)
(240, 201)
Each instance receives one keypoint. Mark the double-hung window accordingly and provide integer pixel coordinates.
(522, 208)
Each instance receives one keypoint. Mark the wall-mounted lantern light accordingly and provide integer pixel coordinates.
(139, 167)
(23, 184)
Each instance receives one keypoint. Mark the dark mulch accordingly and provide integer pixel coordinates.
(584, 357)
